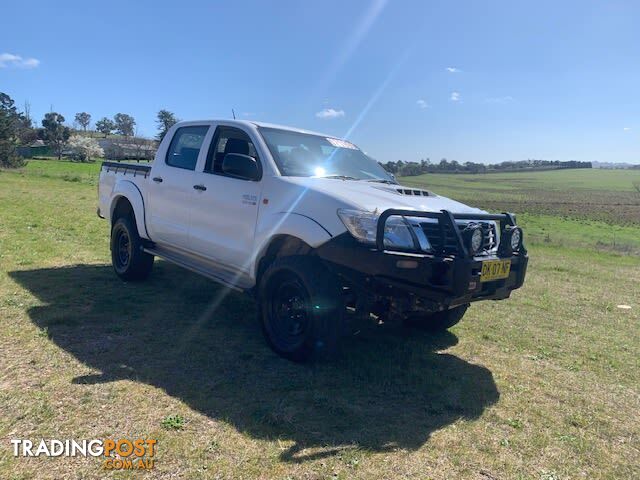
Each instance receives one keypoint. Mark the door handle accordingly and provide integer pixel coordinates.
(200, 187)
(157, 179)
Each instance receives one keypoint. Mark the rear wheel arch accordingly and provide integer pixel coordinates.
(127, 199)
(122, 208)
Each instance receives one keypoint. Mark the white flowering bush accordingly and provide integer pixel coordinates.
(84, 148)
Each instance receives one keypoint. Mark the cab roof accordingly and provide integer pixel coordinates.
(251, 123)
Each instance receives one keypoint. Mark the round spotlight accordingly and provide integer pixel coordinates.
(474, 238)
(516, 239)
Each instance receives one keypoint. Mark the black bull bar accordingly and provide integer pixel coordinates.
(446, 220)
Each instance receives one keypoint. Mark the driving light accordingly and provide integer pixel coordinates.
(516, 238)
(474, 238)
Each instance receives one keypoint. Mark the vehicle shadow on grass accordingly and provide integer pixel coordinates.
(201, 344)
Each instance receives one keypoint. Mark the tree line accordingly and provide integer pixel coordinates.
(406, 169)
(17, 129)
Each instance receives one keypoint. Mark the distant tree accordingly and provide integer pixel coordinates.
(165, 120)
(26, 133)
(83, 119)
(84, 148)
(8, 133)
(124, 124)
(55, 133)
(143, 148)
(105, 126)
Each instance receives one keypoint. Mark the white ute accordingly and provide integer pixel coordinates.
(311, 226)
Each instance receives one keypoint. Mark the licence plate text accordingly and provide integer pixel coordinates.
(495, 270)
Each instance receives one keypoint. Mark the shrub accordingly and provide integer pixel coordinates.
(173, 422)
(83, 148)
(12, 161)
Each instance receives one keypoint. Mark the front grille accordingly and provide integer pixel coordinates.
(435, 236)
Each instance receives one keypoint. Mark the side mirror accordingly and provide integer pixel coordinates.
(240, 166)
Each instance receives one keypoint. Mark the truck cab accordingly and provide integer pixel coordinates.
(309, 225)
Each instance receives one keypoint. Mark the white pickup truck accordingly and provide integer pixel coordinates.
(311, 226)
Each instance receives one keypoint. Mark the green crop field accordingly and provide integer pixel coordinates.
(594, 208)
(545, 385)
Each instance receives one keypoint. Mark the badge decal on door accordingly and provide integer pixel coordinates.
(249, 199)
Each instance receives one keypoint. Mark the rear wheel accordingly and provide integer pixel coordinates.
(439, 321)
(129, 260)
(301, 308)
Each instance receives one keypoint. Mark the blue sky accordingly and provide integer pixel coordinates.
(470, 81)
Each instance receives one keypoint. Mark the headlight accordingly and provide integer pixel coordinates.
(362, 225)
(474, 238)
(399, 233)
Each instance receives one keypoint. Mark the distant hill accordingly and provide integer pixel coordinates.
(614, 165)
(406, 169)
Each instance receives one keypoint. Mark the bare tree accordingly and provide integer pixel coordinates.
(142, 147)
(27, 111)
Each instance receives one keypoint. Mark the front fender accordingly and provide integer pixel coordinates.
(132, 193)
(292, 224)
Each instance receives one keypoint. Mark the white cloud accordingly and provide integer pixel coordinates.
(453, 70)
(329, 113)
(11, 60)
(505, 99)
(455, 97)
(626, 129)
(422, 104)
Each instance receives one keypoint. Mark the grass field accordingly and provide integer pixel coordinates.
(545, 385)
(589, 208)
(606, 195)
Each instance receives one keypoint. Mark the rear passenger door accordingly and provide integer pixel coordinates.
(225, 209)
(171, 187)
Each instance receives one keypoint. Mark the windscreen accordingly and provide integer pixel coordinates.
(307, 155)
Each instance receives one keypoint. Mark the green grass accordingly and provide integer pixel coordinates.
(543, 385)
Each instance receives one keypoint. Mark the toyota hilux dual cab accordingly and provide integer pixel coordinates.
(311, 226)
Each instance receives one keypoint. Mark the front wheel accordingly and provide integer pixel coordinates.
(439, 321)
(301, 308)
(129, 260)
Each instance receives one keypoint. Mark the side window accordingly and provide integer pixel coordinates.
(185, 147)
(228, 140)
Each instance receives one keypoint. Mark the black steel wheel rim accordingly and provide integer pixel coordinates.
(123, 248)
(289, 313)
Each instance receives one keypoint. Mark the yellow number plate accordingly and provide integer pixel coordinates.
(495, 270)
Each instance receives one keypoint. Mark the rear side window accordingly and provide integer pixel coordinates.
(185, 147)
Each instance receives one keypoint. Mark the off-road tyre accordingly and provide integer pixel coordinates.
(301, 309)
(129, 260)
